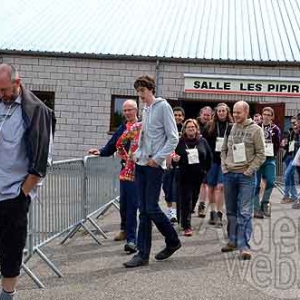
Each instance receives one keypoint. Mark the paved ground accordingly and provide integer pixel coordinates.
(198, 271)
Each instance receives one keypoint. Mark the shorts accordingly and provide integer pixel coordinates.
(13, 234)
(214, 176)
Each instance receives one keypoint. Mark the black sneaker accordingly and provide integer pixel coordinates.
(213, 217)
(219, 219)
(130, 248)
(136, 261)
(201, 210)
(266, 209)
(167, 252)
(173, 216)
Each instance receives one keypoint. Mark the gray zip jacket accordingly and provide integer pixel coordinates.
(159, 134)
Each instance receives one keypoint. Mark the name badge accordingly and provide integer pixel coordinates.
(269, 149)
(219, 144)
(193, 156)
(292, 146)
(239, 152)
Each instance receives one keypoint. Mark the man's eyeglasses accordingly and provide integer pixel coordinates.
(129, 109)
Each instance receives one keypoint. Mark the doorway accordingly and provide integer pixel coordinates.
(192, 108)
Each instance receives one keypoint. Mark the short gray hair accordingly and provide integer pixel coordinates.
(244, 104)
(10, 70)
(131, 102)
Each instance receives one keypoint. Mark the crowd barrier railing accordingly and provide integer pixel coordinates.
(72, 194)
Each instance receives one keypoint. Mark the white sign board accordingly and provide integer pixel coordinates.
(242, 85)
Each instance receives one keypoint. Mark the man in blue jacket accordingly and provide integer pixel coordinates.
(26, 126)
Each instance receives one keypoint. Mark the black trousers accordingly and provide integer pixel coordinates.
(188, 191)
(13, 233)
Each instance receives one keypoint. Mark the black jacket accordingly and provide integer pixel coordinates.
(38, 120)
(193, 173)
(291, 135)
(224, 129)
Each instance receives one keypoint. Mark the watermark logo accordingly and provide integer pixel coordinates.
(275, 265)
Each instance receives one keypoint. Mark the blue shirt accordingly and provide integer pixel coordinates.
(14, 162)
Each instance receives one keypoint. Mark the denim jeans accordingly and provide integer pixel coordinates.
(148, 182)
(239, 192)
(128, 209)
(214, 175)
(290, 190)
(170, 185)
(268, 172)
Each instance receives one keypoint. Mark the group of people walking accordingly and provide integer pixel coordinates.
(216, 157)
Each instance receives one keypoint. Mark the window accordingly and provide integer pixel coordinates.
(46, 97)
(116, 115)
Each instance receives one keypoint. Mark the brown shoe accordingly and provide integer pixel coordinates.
(258, 214)
(121, 236)
(245, 255)
(286, 201)
(229, 247)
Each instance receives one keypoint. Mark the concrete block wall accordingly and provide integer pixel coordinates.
(83, 90)
(171, 81)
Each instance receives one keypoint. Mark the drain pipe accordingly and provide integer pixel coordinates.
(156, 76)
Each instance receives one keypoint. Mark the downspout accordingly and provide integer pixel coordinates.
(156, 77)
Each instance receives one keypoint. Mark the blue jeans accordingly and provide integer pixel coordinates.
(239, 192)
(128, 209)
(290, 190)
(170, 185)
(268, 172)
(214, 176)
(148, 182)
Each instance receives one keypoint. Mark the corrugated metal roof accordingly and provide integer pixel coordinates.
(250, 30)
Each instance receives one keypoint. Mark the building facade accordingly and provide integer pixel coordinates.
(87, 93)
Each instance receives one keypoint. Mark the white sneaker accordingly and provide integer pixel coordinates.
(169, 213)
(173, 216)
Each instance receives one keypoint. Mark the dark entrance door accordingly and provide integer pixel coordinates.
(192, 108)
(279, 110)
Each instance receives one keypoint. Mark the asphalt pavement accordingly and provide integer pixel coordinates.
(197, 271)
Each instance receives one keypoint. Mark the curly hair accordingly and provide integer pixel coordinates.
(145, 81)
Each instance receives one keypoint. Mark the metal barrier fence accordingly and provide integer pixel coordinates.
(280, 169)
(73, 192)
(280, 166)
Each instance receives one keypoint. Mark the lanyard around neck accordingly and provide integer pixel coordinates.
(218, 129)
(6, 115)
